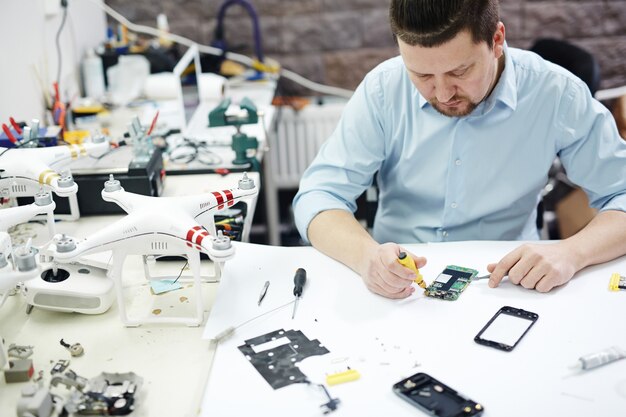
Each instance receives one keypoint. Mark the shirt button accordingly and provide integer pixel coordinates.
(453, 205)
(445, 233)
(457, 162)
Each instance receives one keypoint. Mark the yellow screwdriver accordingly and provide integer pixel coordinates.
(407, 261)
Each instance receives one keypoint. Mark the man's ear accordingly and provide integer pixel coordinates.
(498, 40)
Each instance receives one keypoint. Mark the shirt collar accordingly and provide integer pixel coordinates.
(505, 90)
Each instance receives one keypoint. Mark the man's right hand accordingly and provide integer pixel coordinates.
(384, 275)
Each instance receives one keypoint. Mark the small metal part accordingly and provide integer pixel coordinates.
(409, 384)
(478, 407)
(246, 183)
(65, 244)
(69, 379)
(112, 184)
(98, 138)
(221, 242)
(34, 128)
(43, 198)
(263, 292)
(76, 349)
(467, 409)
(19, 352)
(438, 388)
(66, 180)
(60, 366)
(424, 393)
(26, 134)
(481, 277)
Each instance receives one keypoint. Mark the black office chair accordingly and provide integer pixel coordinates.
(571, 57)
(583, 65)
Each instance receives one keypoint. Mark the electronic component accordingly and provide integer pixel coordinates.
(617, 282)
(426, 393)
(274, 355)
(506, 328)
(109, 394)
(60, 366)
(342, 377)
(451, 282)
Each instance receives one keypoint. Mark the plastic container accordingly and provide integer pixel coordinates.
(93, 75)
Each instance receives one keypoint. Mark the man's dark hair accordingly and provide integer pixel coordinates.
(431, 23)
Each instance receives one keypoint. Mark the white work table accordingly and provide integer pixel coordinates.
(385, 340)
(389, 340)
(173, 360)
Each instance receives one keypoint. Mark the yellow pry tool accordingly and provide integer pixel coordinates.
(614, 283)
(407, 261)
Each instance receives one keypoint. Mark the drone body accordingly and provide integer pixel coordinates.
(24, 171)
(159, 226)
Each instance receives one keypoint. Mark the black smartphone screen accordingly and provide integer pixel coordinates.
(506, 328)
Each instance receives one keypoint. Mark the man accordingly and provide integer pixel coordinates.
(460, 131)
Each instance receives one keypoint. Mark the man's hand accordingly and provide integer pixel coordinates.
(541, 267)
(384, 275)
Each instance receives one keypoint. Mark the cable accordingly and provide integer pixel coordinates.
(188, 151)
(230, 330)
(242, 59)
(181, 272)
(58, 37)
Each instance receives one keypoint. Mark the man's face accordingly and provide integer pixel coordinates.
(456, 76)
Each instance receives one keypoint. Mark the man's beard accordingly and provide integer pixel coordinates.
(464, 108)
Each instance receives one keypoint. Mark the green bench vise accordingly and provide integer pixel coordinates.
(241, 141)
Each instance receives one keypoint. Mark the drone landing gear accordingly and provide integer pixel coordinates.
(193, 257)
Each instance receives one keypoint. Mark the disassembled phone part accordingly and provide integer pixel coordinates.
(506, 328)
(106, 395)
(451, 282)
(435, 398)
(274, 355)
(617, 282)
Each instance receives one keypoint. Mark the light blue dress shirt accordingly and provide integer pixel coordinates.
(476, 177)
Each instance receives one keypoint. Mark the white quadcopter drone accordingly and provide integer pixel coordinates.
(159, 226)
(19, 264)
(24, 171)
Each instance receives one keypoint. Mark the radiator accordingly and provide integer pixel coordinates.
(298, 135)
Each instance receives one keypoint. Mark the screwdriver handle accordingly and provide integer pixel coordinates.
(405, 260)
(299, 280)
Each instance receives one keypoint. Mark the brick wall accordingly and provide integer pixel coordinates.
(338, 41)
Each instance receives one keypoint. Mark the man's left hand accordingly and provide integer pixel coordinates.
(541, 267)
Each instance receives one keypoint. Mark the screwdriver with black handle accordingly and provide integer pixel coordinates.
(298, 285)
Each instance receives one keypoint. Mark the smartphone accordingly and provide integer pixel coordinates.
(506, 328)
(435, 398)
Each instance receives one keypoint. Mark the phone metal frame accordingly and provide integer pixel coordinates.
(511, 311)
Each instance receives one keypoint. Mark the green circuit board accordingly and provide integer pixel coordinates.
(451, 282)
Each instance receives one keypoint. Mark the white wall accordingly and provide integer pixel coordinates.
(27, 45)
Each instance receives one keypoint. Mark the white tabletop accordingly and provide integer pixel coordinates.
(173, 360)
(387, 340)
